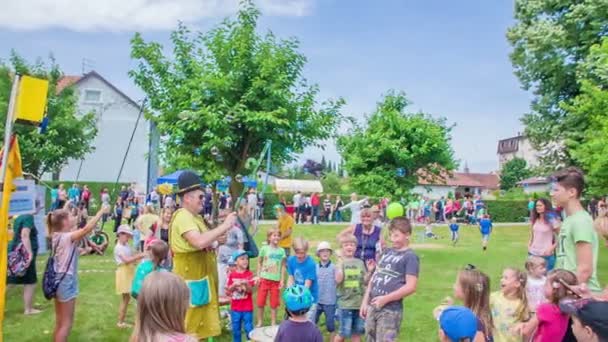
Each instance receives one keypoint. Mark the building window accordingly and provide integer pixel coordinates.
(92, 96)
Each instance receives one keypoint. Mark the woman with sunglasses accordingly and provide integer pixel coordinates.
(369, 237)
(544, 222)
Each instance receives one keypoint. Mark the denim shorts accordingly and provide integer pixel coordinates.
(68, 287)
(351, 323)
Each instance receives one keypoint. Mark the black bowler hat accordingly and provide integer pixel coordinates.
(188, 181)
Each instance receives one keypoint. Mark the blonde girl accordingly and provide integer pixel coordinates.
(157, 253)
(472, 287)
(125, 260)
(65, 241)
(161, 309)
(271, 270)
(549, 322)
(537, 276)
(509, 305)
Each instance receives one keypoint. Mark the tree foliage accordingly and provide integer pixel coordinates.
(224, 92)
(590, 147)
(395, 140)
(513, 171)
(550, 39)
(68, 136)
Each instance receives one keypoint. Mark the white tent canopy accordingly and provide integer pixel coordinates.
(294, 185)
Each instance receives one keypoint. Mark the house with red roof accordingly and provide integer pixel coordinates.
(458, 184)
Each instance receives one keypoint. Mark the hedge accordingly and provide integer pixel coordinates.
(94, 187)
(500, 210)
(508, 211)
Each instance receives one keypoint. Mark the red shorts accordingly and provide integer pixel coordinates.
(268, 286)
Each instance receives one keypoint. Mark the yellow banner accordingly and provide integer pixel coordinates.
(31, 100)
(13, 171)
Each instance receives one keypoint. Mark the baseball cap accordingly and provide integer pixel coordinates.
(124, 229)
(323, 245)
(590, 312)
(458, 322)
(238, 253)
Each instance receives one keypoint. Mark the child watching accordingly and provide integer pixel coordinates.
(509, 305)
(125, 259)
(485, 228)
(536, 267)
(161, 309)
(350, 277)
(239, 288)
(457, 324)
(271, 268)
(550, 323)
(302, 271)
(157, 252)
(326, 276)
(472, 287)
(298, 328)
(454, 229)
(285, 225)
(589, 319)
(395, 278)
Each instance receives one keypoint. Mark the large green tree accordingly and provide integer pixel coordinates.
(224, 92)
(550, 39)
(387, 155)
(68, 136)
(591, 146)
(512, 172)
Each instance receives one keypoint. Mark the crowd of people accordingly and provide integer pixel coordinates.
(181, 271)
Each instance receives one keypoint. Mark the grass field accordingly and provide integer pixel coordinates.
(97, 305)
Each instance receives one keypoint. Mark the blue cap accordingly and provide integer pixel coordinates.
(236, 254)
(458, 322)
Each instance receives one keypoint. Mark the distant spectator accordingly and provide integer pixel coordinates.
(86, 196)
(74, 193)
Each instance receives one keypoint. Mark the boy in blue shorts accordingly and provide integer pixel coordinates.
(454, 229)
(350, 276)
(485, 227)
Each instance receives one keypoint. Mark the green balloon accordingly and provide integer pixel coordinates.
(394, 209)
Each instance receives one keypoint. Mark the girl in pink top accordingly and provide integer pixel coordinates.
(549, 322)
(542, 239)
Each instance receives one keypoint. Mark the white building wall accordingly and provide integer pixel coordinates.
(116, 119)
(524, 151)
(434, 191)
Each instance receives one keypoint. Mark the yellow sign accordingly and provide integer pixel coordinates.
(31, 100)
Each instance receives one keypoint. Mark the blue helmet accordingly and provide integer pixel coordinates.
(297, 297)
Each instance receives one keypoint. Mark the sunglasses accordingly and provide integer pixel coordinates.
(470, 267)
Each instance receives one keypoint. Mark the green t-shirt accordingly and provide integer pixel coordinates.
(98, 239)
(272, 259)
(577, 228)
(351, 290)
(25, 221)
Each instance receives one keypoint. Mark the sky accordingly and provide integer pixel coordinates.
(450, 57)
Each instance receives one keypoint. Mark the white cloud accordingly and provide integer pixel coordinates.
(126, 15)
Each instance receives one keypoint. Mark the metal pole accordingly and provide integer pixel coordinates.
(267, 166)
(124, 159)
(8, 127)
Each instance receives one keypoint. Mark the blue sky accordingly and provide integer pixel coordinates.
(450, 57)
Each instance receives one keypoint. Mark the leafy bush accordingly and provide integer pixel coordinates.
(508, 211)
(94, 187)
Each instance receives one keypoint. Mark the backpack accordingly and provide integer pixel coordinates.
(49, 279)
(249, 246)
(17, 260)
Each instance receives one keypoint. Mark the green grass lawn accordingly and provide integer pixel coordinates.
(97, 305)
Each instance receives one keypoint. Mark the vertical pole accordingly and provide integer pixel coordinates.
(8, 127)
(269, 144)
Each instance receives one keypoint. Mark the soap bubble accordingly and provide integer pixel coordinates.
(238, 178)
(214, 151)
(184, 115)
